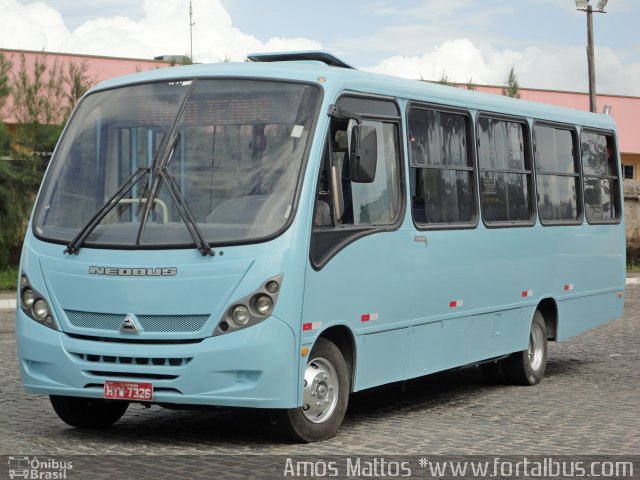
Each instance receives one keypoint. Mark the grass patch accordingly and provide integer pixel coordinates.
(8, 279)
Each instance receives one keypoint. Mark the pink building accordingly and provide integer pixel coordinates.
(624, 110)
(98, 69)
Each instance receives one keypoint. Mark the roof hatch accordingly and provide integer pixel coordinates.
(313, 55)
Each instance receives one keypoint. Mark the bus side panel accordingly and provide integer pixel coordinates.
(589, 258)
(460, 341)
(381, 358)
(578, 315)
(367, 287)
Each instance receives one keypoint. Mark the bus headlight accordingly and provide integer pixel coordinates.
(272, 287)
(34, 305)
(40, 309)
(28, 297)
(240, 315)
(252, 309)
(264, 305)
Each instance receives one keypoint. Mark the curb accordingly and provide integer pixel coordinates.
(9, 304)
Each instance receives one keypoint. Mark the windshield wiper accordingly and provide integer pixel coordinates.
(183, 207)
(160, 162)
(185, 212)
(73, 247)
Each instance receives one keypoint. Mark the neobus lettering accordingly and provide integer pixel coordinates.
(134, 272)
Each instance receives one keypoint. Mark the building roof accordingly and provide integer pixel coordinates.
(625, 110)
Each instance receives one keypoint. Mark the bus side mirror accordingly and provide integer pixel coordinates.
(363, 155)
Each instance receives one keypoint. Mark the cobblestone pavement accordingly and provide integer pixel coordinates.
(587, 404)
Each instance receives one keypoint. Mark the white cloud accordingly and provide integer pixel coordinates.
(564, 68)
(34, 26)
(430, 48)
(162, 30)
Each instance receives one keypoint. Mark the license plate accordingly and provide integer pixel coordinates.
(128, 390)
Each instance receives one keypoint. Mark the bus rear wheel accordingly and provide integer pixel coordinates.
(88, 412)
(326, 395)
(527, 367)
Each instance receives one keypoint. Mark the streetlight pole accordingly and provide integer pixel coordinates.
(591, 62)
(585, 6)
(191, 24)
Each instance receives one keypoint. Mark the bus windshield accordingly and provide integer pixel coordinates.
(237, 147)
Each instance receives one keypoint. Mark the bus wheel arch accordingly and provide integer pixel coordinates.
(326, 396)
(343, 338)
(549, 310)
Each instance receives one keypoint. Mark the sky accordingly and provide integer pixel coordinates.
(464, 40)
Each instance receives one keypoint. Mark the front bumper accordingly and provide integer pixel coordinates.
(253, 367)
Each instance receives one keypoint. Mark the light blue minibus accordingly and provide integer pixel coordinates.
(281, 232)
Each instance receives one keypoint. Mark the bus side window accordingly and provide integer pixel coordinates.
(600, 177)
(375, 203)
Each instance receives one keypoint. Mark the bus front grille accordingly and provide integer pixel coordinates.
(149, 361)
(149, 323)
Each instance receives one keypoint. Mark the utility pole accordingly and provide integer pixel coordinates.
(591, 61)
(585, 6)
(191, 24)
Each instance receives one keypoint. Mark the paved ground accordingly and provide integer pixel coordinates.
(587, 404)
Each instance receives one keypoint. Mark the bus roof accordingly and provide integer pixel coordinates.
(336, 79)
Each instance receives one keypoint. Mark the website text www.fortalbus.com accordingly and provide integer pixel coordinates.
(458, 467)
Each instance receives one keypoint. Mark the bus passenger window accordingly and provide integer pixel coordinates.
(442, 171)
(505, 172)
(600, 171)
(557, 175)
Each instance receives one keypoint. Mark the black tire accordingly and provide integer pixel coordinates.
(493, 373)
(295, 423)
(527, 367)
(83, 412)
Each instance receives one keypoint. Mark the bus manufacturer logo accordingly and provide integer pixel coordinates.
(134, 272)
(129, 325)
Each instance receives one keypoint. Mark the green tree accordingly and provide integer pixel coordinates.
(5, 92)
(471, 85)
(78, 82)
(39, 94)
(445, 80)
(5, 82)
(14, 209)
(39, 100)
(511, 86)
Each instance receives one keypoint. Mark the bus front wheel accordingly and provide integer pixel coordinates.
(88, 412)
(326, 395)
(527, 367)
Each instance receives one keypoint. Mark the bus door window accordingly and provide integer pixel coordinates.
(375, 203)
(345, 210)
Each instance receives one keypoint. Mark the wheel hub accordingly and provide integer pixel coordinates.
(536, 347)
(320, 390)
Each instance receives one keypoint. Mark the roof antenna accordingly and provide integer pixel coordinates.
(191, 24)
